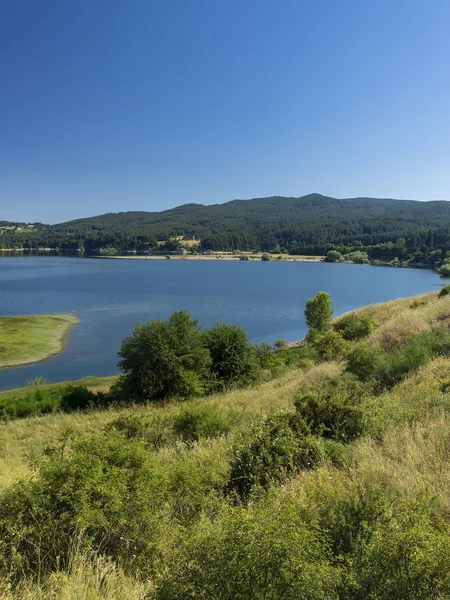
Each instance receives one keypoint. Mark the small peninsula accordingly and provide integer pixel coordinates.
(30, 339)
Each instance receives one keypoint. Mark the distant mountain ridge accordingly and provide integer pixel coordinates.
(289, 223)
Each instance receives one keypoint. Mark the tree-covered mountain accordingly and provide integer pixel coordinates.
(305, 225)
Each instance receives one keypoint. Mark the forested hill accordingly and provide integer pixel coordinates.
(309, 224)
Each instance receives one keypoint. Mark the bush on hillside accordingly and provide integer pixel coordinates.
(269, 552)
(363, 361)
(163, 359)
(329, 345)
(98, 495)
(355, 327)
(203, 421)
(444, 291)
(266, 257)
(334, 410)
(42, 400)
(278, 447)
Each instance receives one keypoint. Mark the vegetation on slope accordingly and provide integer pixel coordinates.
(33, 338)
(319, 484)
(384, 229)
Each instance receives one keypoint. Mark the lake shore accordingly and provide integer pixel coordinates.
(275, 257)
(31, 339)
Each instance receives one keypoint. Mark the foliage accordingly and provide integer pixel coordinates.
(363, 361)
(355, 327)
(202, 421)
(266, 553)
(280, 343)
(318, 312)
(311, 225)
(41, 400)
(163, 359)
(334, 411)
(266, 257)
(357, 257)
(333, 256)
(98, 494)
(278, 447)
(243, 257)
(444, 269)
(329, 345)
(444, 291)
(231, 355)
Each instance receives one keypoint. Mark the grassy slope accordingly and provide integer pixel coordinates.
(33, 338)
(412, 457)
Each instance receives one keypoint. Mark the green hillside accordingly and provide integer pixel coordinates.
(307, 225)
(327, 481)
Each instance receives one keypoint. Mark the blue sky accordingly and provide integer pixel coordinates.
(107, 105)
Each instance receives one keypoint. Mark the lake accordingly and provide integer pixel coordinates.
(109, 296)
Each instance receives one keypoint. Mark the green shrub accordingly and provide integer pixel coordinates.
(265, 356)
(357, 257)
(355, 327)
(243, 257)
(203, 421)
(97, 495)
(407, 557)
(268, 552)
(280, 446)
(232, 362)
(329, 345)
(444, 269)
(417, 304)
(363, 361)
(333, 256)
(334, 410)
(266, 257)
(417, 351)
(43, 400)
(444, 291)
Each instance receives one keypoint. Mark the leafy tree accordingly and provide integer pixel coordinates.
(163, 359)
(231, 355)
(318, 312)
(444, 270)
(333, 256)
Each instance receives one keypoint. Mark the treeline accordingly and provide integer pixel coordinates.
(309, 225)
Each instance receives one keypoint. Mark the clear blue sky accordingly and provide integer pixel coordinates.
(109, 105)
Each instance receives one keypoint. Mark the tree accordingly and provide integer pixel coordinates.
(163, 359)
(333, 256)
(231, 354)
(318, 312)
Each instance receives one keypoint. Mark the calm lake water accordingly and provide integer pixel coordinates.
(109, 296)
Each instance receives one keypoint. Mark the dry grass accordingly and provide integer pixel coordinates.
(398, 320)
(87, 579)
(22, 441)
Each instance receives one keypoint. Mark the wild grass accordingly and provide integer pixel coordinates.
(33, 338)
(370, 520)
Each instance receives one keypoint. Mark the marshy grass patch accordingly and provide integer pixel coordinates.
(30, 339)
